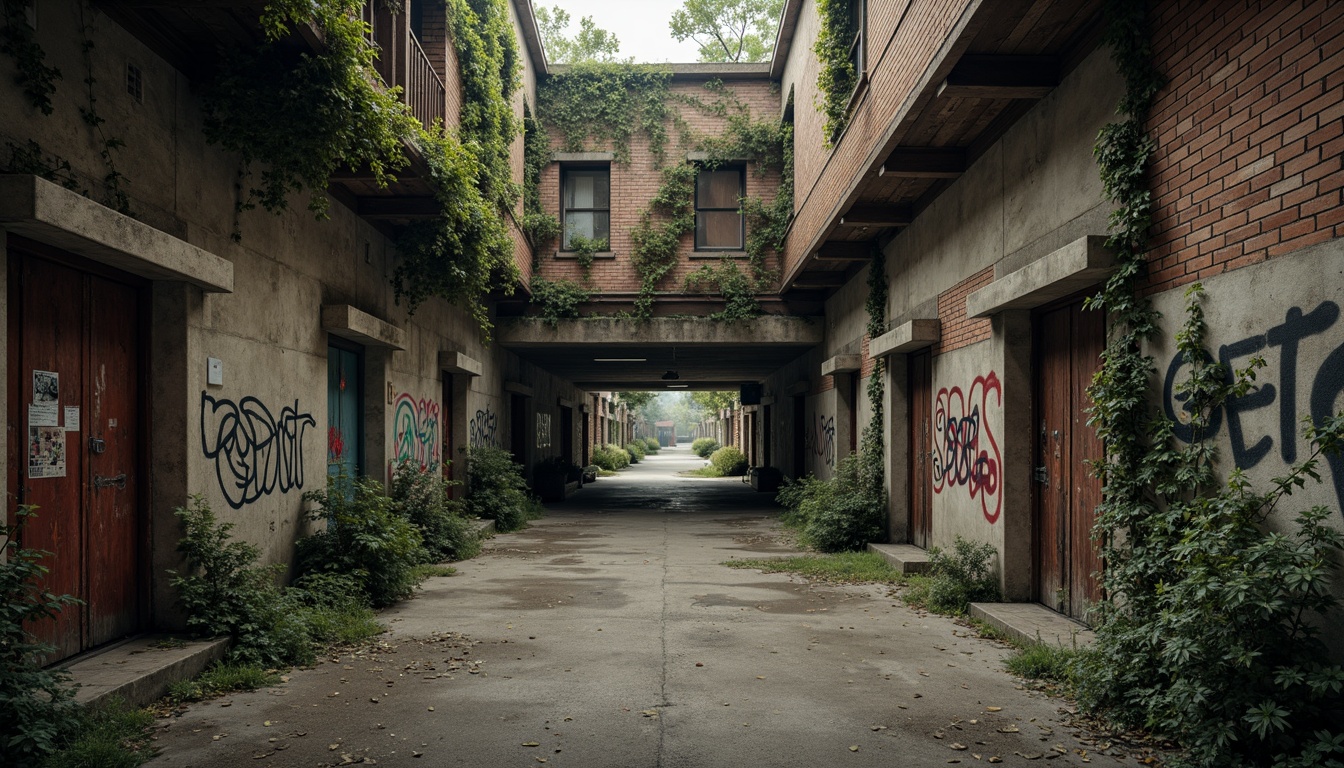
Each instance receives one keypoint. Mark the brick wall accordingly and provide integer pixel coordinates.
(633, 184)
(1250, 130)
(958, 330)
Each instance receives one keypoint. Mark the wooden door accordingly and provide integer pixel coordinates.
(919, 368)
(1069, 340)
(75, 422)
(345, 411)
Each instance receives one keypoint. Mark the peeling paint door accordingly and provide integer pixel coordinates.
(1069, 340)
(75, 449)
(345, 410)
(920, 388)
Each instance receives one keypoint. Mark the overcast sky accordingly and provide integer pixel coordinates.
(640, 25)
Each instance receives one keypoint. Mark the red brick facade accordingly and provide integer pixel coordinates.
(958, 330)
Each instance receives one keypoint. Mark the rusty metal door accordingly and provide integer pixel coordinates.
(1069, 340)
(920, 392)
(75, 421)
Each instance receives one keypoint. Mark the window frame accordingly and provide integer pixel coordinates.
(741, 170)
(567, 169)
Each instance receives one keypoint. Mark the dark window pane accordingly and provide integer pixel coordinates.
(718, 189)
(718, 229)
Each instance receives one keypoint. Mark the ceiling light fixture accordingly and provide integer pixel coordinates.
(678, 386)
(620, 359)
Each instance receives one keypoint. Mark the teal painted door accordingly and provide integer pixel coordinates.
(345, 412)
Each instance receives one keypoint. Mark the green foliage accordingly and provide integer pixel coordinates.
(608, 103)
(496, 489)
(837, 78)
(714, 401)
(225, 593)
(592, 43)
(737, 289)
(220, 679)
(585, 248)
(704, 446)
(333, 609)
(839, 514)
(541, 228)
(109, 736)
(957, 579)
(36, 705)
(872, 448)
(636, 450)
(108, 146)
(611, 458)
(32, 159)
(304, 115)
(729, 30)
(365, 538)
(729, 460)
(1042, 661)
(558, 300)
(657, 236)
(651, 445)
(836, 568)
(31, 72)
(423, 497)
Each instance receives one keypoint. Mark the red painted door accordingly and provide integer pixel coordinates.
(74, 429)
(920, 388)
(1069, 340)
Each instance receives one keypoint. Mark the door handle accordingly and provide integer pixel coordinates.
(117, 481)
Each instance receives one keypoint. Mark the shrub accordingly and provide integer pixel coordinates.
(1042, 661)
(960, 578)
(225, 593)
(422, 497)
(836, 515)
(652, 445)
(606, 459)
(113, 735)
(729, 460)
(636, 451)
(364, 538)
(704, 446)
(496, 489)
(332, 608)
(36, 705)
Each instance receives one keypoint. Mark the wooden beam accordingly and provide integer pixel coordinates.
(879, 216)
(1001, 77)
(925, 163)
(845, 250)
(424, 207)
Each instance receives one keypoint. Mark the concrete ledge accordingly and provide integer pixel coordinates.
(1033, 622)
(456, 362)
(841, 364)
(139, 671)
(906, 337)
(1078, 265)
(583, 157)
(906, 558)
(485, 528)
(49, 213)
(518, 388)
(522, 332)
(356, 325)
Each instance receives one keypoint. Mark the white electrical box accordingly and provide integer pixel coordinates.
(214, 371)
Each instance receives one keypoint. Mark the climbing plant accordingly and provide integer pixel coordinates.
(558, 299)
(108, 144)
(872, 444)
(608, 103)
(837, 78)
(670, 215)
(31, 72)
(1206, 630)
(585, 249)
(541, 227)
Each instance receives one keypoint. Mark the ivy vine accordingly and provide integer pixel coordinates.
(541, 228)
(108, 145)
(837, 78)
(558, 299)
(31, 72)
(657, 237)
(608, 102)
(872, 444)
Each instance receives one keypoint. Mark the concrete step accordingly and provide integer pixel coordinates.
(484, 527)
(1033, 622)
(139, 670)
(906, 558)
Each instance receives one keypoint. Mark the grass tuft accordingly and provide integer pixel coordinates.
(422, 572)
(840, 567)
(219, 680)
(1042, 661)
(707, 471)
(341, 625)
(113, 736)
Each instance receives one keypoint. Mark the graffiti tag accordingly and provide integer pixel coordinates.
(964, 449)
(543, 430)
(255, 453)
(819, 440)
(1326, 385)
(482, 429)
(415, 432)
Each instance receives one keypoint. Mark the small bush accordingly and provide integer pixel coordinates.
(423, 499)
(704, 446)
(1041, 661)
(496, 489)
(651, 445)
(836, 515)
(957, 579)
(729, 460)
(36, 705)
(111, 736)
(364, 538)
(332, 609)
(622, 456)
(636, 450)
(611, 458)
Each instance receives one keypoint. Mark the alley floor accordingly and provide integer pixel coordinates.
(609, 634)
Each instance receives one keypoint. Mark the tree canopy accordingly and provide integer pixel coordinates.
(729, 30)
(592, 43)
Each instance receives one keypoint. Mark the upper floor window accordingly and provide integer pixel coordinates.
(585, 204)
(718, 209)
(857, 30)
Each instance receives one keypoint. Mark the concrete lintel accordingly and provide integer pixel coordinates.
(1078, 265)
(701, 331)
(704, 157)
(564, 402)
(800, 387)
(49, 213)
(359, 326)
(456, 362)
(841, 364)
(583, 157)
(906, 337)
(518, 388)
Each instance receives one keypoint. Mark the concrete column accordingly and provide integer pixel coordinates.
(5, 490)
(845, 405)
(1012, 334)
(377, 412)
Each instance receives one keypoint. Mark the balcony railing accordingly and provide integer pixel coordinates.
(402, 62)
(424, 90)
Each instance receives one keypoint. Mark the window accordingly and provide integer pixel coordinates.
(857, 27)
(718, 209)
(585, 204)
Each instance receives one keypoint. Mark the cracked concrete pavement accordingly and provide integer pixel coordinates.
(609, 634)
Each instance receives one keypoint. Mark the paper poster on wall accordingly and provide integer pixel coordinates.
(72, 418)
(45, 410)
(46, 452)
